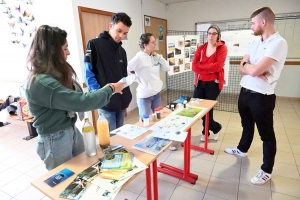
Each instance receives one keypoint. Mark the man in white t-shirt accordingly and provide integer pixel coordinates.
(261, 67)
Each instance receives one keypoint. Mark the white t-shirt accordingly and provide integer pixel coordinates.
(274, 47)
(147, 69)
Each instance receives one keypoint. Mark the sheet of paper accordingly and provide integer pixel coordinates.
(129, 131)
(179, 136)
(95, 192)
(129, 80)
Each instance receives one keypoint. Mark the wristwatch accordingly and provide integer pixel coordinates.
(244, 63)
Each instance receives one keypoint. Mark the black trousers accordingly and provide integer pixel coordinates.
(208, 90)
(256, 108)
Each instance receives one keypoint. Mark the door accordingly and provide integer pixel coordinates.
(92, 23)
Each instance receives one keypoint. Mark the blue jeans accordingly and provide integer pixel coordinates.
(58, 147)
(115, 118)
(147, 105)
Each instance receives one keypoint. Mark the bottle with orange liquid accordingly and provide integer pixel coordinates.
(103, 131)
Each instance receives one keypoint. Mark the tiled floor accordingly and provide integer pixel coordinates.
(221, 176)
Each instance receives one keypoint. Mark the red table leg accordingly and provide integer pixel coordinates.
(179, 173)
(148, 183)
(205, 149)
(155, 183)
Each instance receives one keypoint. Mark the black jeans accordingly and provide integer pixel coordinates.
(256, 108)
(208, 90)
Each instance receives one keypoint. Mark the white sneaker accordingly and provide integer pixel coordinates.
(202, 138)
(261, 178)
(216, 136)
(172, 148)
(235, 151)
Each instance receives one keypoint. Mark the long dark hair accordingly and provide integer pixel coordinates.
(46, 55)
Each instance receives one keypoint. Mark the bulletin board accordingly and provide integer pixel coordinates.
(158, 27)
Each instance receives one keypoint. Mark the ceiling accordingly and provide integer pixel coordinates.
(173, 1)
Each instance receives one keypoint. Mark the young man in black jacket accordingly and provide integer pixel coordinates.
(106, 62)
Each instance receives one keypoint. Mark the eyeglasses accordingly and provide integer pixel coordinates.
(214, 33)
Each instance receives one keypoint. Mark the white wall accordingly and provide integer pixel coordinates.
(183, 16)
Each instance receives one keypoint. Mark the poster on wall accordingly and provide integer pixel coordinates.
(160, 32)
(181, 50)
(238, 41)
(147, 21)
(175, 54)
(190, 47)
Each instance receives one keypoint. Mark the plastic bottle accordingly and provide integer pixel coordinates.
(88, 134)
(146, 120)
(103, 131)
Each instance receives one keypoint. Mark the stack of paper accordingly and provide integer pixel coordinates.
(98, 183)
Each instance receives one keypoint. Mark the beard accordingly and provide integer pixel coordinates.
(258, 32)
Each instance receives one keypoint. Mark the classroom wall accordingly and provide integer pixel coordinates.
(183, 16)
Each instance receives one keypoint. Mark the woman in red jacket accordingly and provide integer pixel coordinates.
(208, 66)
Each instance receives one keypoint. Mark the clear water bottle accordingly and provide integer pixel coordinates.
(103, 131)
(89, 140)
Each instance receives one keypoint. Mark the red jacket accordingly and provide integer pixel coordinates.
(210, 68)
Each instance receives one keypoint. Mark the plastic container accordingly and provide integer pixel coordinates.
(146, 120)
(103, 131)
(161, 109)
(158, 113)
(88, 134)
(154, 119)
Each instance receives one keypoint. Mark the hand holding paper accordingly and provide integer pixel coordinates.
(128, 80)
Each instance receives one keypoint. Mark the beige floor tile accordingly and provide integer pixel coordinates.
(137, 185)
(227, 172)
(200, 185)
(247, 175)
(291, 125)
(297, 159)
(234, 124)
(248, 192)
(284, 157)
(286, 117)
(234, 131)
(278, 124)
(222, 188)
(235, 117)
(232, 160)
(167, 178)
(18, 185)
(141, 198)
(225, 145)
(211, 197)
(295, 148)
(278, 196)
(252, 163)
(282, 138)
(285, 185)
(125, 194)
(285, 170)
(288, 109)
(202, 166)
(284, 147)
(279, 130)
(293, 139)
(291, 132)
(186, 193)
(4, 196)
(165, 190)
(232, 138)
(255, 152)
(30, 193)
(206, 156)
(213, 145)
